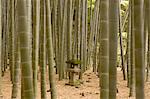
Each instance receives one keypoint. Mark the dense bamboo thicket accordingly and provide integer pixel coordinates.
(43, 42)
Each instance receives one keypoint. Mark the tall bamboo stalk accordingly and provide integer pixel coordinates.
(50, 51)
(15, 89)
(0, 49)
(139, 47)
(26, 67)
(104, 57)
(113, 28)
(35, 50)
(43, 49)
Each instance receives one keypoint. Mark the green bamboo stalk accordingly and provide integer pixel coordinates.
(104, 57)
(146, 37)
(50, 51)
(1, 96)
(12, 41)
(129, 47)
(132, 55)
(62, 41)
(113, 43)
(15, 89)
(83, 38)
(78, 22)
(147, 12)
(95, 39)
(43, 48)
(139, 47)
(55, 30)
(26, 67)
(35, 52)
(69, 36)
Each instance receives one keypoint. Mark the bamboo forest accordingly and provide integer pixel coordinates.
(74, 49)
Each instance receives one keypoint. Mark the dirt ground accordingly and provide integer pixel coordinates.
(88, 90)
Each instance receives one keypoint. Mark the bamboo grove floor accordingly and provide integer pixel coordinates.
(88, 90)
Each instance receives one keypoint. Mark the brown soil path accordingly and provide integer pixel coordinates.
(88, 90)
